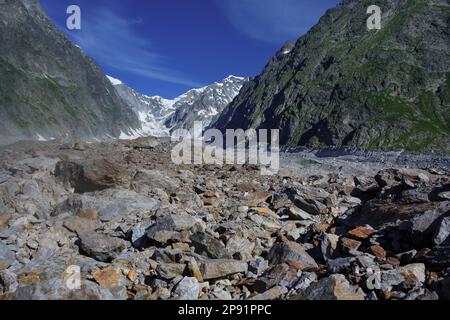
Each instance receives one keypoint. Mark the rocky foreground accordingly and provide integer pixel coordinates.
(142, 228)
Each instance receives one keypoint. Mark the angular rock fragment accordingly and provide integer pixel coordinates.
(361, 233)
(109, 278)
(6, 256)
(192, 268)
(88, 214)
(291, 252)
(442, 233)
(429, 221)
(240, 248)
(257, 198)
(211, 199)
(258, 266)
(157, 179)
(310, 205)
(268, 223)
(71, 205)
(414, 273)
(170, 271)
(8, 281)
(187, 289)
(4, 219)
(271, 294)
(91, 175)
(209, 246)
(349, 245)
(166, 226)
(394, 179)
(281, 274)
(220, 268)
(382, 213)
(312, 200)
(366, 188)
(139, 237)
(100, 246)
(413, 196)
(79, 225)
(335, 287)
(340, 264)
(378, 251)
(299, 214)
(247, 187)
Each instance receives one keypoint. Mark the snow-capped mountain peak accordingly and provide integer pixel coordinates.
(114, 81)
(159, 116)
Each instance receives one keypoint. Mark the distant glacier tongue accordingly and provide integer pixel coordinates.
(159, 116)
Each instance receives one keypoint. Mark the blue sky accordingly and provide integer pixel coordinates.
(166, 47)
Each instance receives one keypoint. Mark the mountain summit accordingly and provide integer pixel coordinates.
(342, 84)
(159, 116)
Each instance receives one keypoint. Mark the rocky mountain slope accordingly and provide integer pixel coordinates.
(341, 84)
(151, 111)
(160, 116)
(49, 88)
(142, 228)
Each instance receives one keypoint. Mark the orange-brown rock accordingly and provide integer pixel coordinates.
(108, 278)
(378, 251)
(4, 219)
(88, 214)
(257, 198)
(361, 233)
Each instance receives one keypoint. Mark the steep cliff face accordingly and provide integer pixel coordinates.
(344, 85)
(48, 87)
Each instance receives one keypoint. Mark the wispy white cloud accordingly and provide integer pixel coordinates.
(274, 21)
(112, 40)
